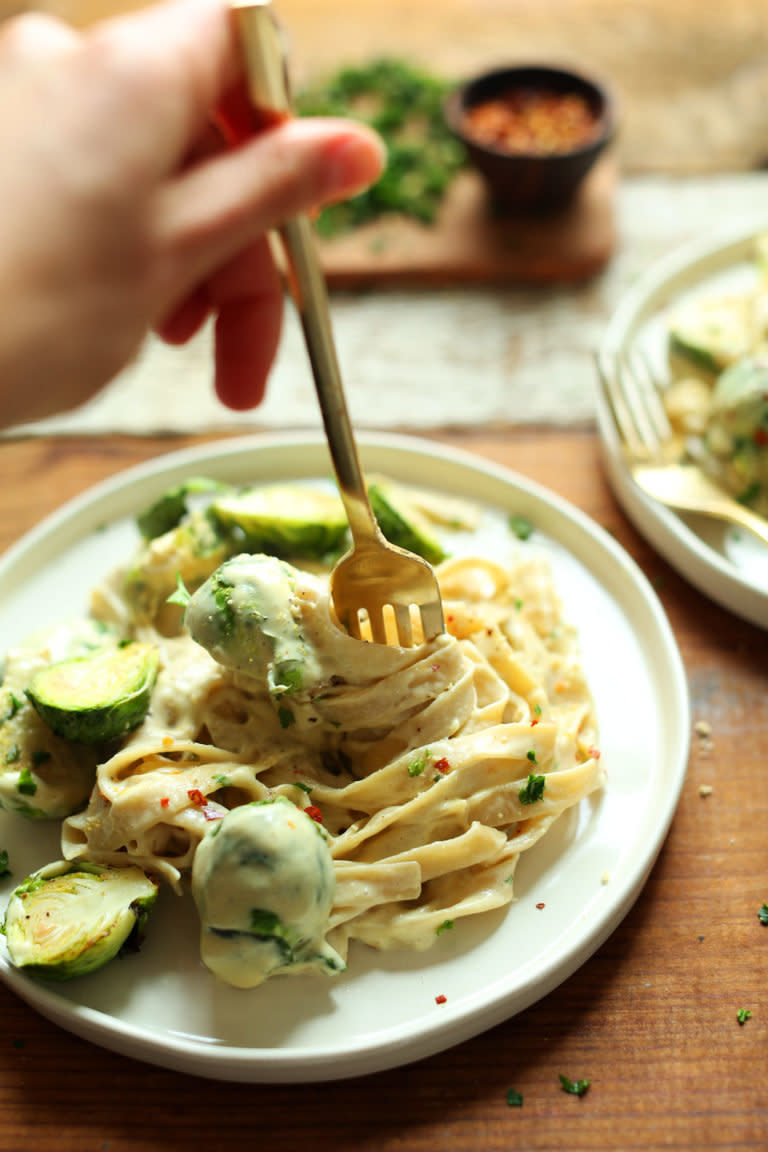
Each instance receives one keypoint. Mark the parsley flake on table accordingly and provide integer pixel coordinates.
(514, 1099)
(763, 914)
(575, 1087)
(743, 1015)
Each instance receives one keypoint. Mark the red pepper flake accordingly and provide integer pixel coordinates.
(440, 999)
(541, 905)
(534, 722)
(594, 752)
(442, 765)
(164, 802)
(196, 797)
(314, 813)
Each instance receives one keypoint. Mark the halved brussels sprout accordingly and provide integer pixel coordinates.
(70, 918)
(402, 523)
(263, 882)
(99, 697)
(286, 519)
(41, 776)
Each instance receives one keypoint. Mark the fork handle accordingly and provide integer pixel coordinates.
(308, 289)
(268, 89)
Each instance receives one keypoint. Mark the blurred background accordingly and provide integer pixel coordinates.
(691, 75)
(519, 317)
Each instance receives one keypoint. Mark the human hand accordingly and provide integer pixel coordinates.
(123, 210)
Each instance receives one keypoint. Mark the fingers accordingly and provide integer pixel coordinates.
(248, 296)
(34, 37)
(221, 205)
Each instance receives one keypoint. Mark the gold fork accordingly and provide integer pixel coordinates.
(653, 453)
(378, 591)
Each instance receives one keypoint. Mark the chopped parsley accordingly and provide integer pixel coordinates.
(181, 595)
(446, 926)
(743, 1015)
(531, 755)
(404, 104)
(14, 704)
(762, 915)
(521, 526)
(533, 790)
(417, 766)
(26, 784)
(575, 1087)
(514, 1099)
(286, 717)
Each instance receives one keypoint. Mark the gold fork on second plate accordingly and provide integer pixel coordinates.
(378, 591)
(653, 453)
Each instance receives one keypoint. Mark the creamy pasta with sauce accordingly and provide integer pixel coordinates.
(312, 789)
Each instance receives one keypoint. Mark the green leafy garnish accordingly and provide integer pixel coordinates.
(533, 790)
(181, 595)
(743, 1015)
(514, 1099)
(521, 526)
(286, 717)
(404, 104)
(762, 915)
(26, 784)
(575, 1087)
(417, 766)
(446, 926)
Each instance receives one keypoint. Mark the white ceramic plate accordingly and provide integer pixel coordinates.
(727, 564)
(162, 1006)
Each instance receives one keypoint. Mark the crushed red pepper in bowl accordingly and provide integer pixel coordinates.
(527, 120)
(533, 132)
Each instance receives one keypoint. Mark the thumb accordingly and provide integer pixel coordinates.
(210, 212)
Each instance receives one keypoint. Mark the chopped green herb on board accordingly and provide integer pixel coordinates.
(404, 104)
(743, 1015)
(575, 1087)
(763, 914)
(514, 1099)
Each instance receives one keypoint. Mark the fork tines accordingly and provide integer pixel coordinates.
(635, 399)
(401, 624)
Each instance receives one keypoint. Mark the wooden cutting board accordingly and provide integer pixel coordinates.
(469, 243)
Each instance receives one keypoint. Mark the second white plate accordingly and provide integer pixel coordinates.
(726, 564)
(388, 1009)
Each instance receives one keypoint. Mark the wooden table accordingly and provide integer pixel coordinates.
(650, 1020)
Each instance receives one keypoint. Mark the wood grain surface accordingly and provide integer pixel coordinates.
(650, 1019)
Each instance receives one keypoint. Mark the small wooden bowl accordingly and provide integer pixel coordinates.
(532, 131)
